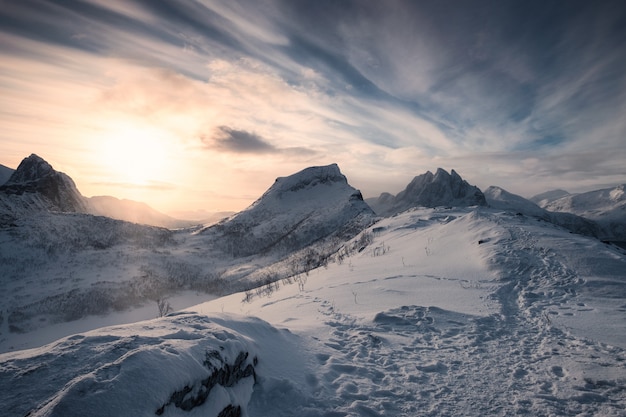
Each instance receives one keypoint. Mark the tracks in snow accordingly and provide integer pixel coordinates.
(417, 360)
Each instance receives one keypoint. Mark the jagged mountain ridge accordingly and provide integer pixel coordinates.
(296, 211)
(430, 190)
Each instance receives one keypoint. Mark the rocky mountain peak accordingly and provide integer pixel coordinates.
(33, 168)
(431, 190)
(36, 185)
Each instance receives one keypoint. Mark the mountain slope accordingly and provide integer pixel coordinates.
(504, 200)
(36, 186)
(60, 267)
(294, 212)
(5, 174)
(445, 312)
(430, 190)
(607, 207)
(544, 198)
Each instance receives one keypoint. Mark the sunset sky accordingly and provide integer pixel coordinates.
(201, 104)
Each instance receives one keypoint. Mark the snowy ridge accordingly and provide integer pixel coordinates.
(430, 190)
(607, 207)
(544, 198)
(443, 312)
(294, 212)
(504, 200)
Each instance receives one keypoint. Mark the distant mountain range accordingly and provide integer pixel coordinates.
(606, 207)
(36, 186)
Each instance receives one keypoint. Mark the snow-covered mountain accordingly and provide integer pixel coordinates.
(544, 198)
(294, 212)
(462, 311)
(501, 199)
(5, 174)
(606, 207)
(441, 189)
(79, 265)
(36, 186)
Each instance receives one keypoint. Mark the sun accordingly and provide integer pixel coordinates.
(136, 155)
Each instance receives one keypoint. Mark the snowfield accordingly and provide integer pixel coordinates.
(438, 312)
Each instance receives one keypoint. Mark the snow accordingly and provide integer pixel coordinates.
(444, 312)
(474, 311)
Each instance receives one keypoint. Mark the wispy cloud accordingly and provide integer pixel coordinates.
(506, 90)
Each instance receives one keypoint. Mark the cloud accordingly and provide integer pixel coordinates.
(235, 140)
(519, 91)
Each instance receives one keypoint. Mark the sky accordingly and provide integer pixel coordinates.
(201, 105)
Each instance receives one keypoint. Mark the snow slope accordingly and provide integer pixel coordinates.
(61, 267)
(294, 212)
(544, 198)
(431, 312)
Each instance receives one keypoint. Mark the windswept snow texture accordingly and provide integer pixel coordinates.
(433, 312)
(295, 212)
(430, 190)
(187, 364)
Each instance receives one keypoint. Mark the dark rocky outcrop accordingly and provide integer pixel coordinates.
(35, 185)
(430, 190)
(222, 373)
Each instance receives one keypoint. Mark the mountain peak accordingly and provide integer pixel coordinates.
(30, 169)
(37, 185)
(295, 211)
(431, 190)
(310, 177)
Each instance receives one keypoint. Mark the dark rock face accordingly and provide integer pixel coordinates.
(222, 373)
(431, 190)
(35, 177)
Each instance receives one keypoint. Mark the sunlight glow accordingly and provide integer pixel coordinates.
(137, 155)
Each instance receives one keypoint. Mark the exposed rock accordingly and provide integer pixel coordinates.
(430, 190)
